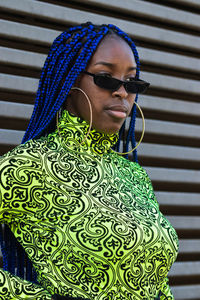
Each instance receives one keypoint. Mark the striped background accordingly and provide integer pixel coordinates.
(167, 35)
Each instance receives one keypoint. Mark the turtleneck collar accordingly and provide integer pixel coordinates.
(73, 131)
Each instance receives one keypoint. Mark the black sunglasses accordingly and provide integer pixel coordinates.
(136, 86)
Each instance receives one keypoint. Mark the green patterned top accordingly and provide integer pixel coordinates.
(87, 218)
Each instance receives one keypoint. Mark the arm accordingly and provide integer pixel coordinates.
(20, 173)
(13, 288)
(165, 291)
(11, 192)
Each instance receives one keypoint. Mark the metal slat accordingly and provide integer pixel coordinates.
(169, 60)
(172, 129)
(172, 175)
(15, 110)
(18, 83)
(189, 246)
(186, 292)
(185, 222)
(185, 268)
(27, 33)
(11, 137)
(178, 199)
(21, 58)
(162, 104)
(56, 13)
(150, 10)
(169, 152)
(172, 83)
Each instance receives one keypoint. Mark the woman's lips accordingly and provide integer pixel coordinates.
(117, 111)
(117, 114)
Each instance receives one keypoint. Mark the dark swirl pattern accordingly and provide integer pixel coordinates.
(87, 218)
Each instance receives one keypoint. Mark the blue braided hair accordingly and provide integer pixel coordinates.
(69, 55)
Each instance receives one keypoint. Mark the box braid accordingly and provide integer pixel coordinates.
(69, 55)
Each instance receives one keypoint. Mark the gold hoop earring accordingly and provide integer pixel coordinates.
(142, 135)
(90, 107)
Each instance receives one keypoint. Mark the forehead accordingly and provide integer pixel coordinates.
(114, 49)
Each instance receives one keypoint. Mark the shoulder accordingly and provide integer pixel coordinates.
(27, 156)
(135, 173)
(28, 151)
(32, 149)
(145, 183)
(133, 167)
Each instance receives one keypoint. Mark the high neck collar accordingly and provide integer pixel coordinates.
(73, 130)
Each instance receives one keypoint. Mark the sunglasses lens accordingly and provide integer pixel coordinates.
(136, 87)
(106, 82)
(113, 84)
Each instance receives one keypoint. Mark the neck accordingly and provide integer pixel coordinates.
(75, 134)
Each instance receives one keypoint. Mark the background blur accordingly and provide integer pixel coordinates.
(167, 35)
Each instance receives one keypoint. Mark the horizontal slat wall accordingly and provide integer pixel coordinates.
(167, 36)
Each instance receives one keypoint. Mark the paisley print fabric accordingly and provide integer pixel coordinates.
(87, 218)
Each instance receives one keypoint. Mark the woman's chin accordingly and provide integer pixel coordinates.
(108, 130)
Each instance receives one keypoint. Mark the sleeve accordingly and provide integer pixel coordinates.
(14, 181)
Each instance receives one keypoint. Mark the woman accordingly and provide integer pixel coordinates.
(86, 216)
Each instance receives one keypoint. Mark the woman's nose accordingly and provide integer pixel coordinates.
(121, 92)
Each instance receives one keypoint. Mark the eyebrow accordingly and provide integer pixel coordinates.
(112, 65)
